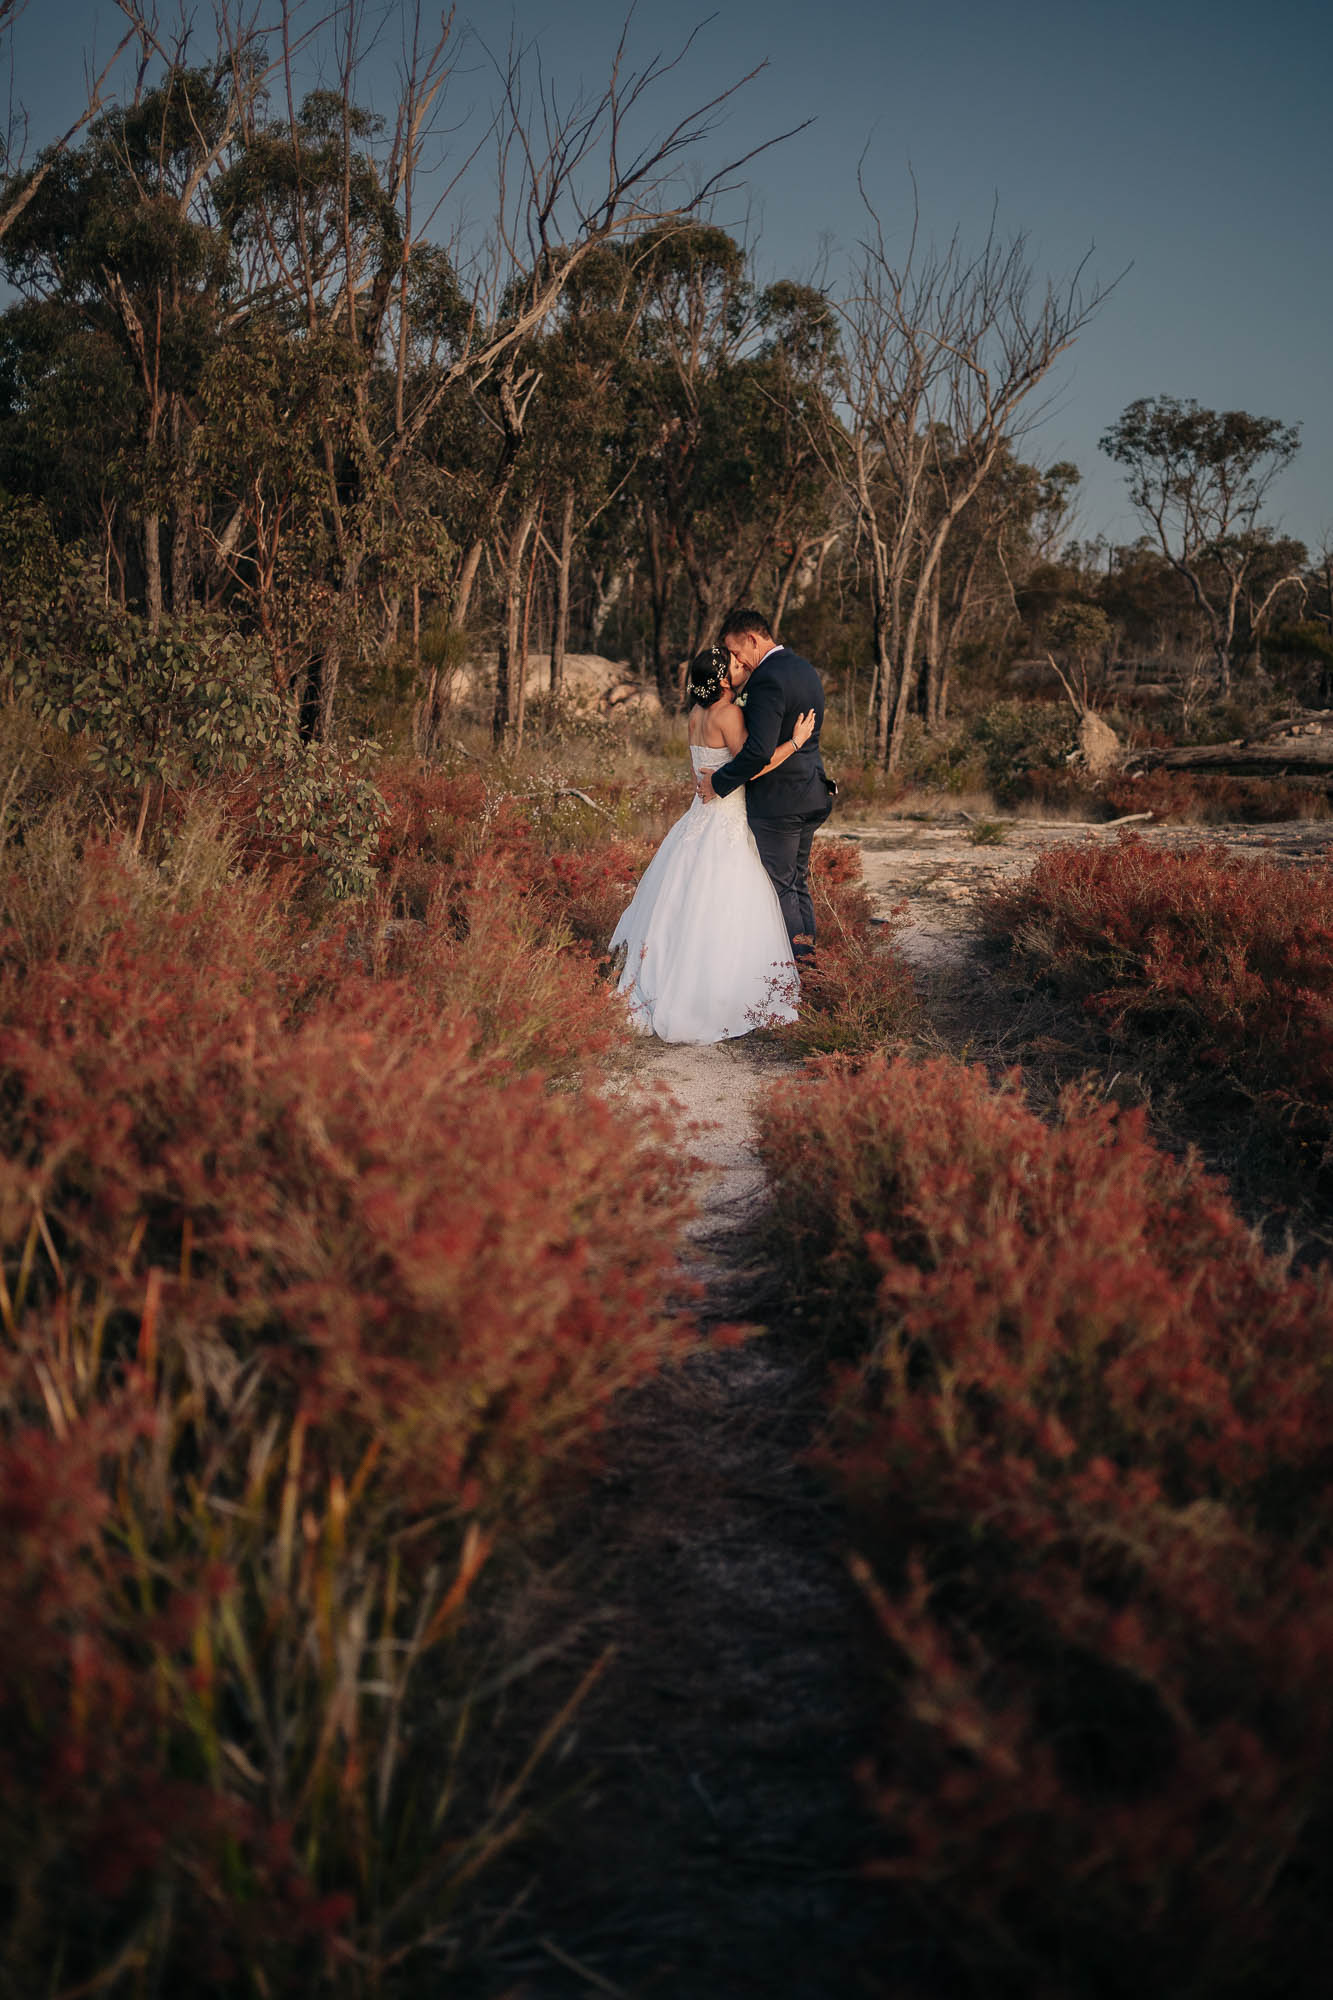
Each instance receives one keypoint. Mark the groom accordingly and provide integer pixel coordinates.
(785, 807)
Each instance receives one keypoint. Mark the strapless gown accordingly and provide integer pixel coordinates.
(707, 955)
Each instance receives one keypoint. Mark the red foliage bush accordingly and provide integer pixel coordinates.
(590, 888)
(367, 1190)
(1220, 970)
(1090, 1457)
(393, 1280)
(1204, 797)
(444, 829)
(1059, 788)
(106, 1675)
(857, 995)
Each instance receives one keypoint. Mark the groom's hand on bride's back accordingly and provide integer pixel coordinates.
(703, 785)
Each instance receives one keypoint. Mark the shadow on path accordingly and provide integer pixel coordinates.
(712, 1839)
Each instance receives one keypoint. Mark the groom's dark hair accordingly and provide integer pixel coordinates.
(744, 620)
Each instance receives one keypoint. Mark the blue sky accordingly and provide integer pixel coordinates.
(1188, 139)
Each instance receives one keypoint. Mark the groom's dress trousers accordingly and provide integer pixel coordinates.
(785, 807)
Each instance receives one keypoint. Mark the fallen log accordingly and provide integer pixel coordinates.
(1302, 756)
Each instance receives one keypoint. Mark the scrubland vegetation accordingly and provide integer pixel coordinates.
(326, 1253)
(326, 1256)
(300, 1322)
(1082, 1423)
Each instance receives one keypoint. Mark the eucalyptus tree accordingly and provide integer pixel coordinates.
(70, 420)
(226, 207)
(697, 314)
(121, 233)
(1275, 586)
(1007, 529)
(1199, 479)
(340, 214)
(589, 450)
(1153, 609)
(21, 184)
(726, 401)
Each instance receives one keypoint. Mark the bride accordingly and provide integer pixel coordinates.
(707, 952)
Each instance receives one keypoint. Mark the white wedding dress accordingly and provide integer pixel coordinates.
(707, 953)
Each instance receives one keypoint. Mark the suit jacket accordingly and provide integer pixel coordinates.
(781, 687)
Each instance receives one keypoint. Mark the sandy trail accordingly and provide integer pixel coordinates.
(714, 1851)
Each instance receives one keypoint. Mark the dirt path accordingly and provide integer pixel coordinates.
(712, 1849)
(927, 878)
(940, 866)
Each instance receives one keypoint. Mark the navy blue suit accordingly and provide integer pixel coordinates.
(784, 808)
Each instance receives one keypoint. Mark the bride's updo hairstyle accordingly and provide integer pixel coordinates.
(708, 675)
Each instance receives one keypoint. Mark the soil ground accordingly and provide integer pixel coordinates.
(712, 1844)
(711, 1841)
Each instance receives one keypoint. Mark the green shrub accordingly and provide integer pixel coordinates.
(165, 706)
(1015, 737)
(949, 761)
(184, 705)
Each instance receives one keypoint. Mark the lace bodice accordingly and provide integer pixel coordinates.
(725, 817)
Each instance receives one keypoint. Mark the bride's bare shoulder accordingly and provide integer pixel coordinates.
(704, 730)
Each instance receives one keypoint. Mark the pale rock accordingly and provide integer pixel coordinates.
(1099, 749)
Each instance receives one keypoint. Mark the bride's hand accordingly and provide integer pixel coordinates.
(805, 728)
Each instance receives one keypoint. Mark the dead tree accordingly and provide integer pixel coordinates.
(941, 353)
(20, 184)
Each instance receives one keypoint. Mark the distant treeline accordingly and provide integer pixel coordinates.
(252, 373)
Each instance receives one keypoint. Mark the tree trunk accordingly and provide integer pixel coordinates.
(608, 596)
(887, 613)
(1222, 656)
(509, 665)
(659, 592)
(563, 564)
(182, 603)
(907, 655)
(152, 566)
(522, 701)
(882, 689)
(786, 578)
(467, 576)
(931, 688)
(948, 645)
(330, 668)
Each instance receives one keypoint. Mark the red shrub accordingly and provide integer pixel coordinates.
(1058, 787)
(363, 1190)
(589, 888)
(858, 995)
(1218, 969)
(386, 1278)
(496, 954)
(1200, 797)
(446, 817)
(1090, 1456)
(105, 1799)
